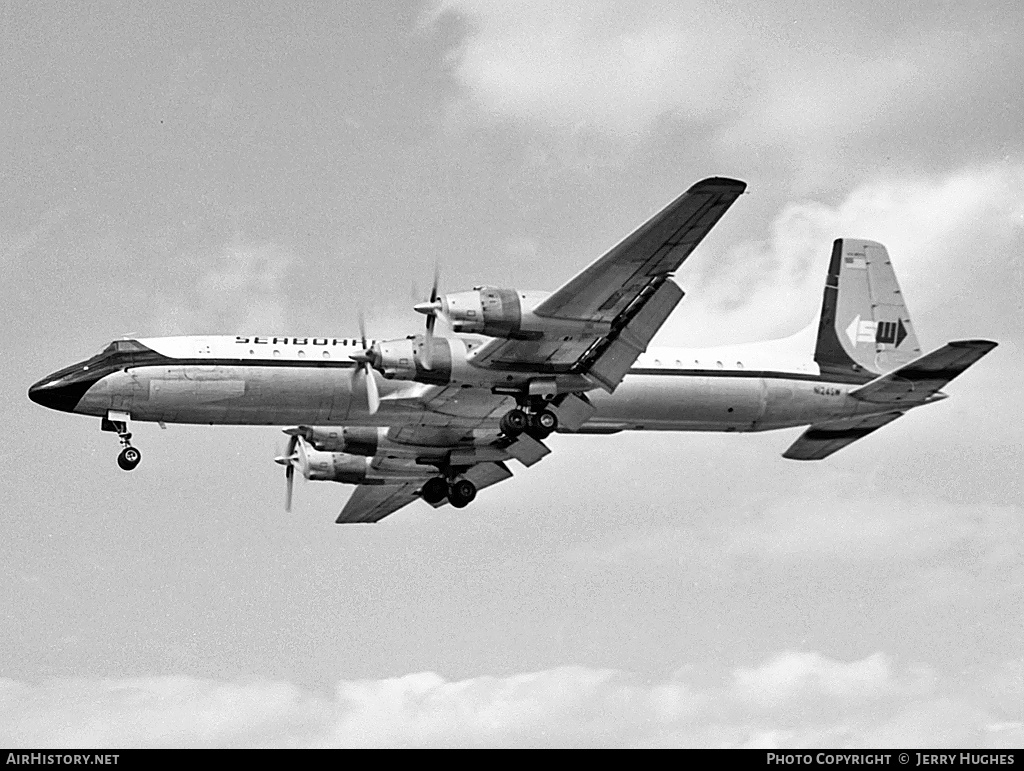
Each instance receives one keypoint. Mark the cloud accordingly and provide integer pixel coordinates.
(239, 288)
(610, 67)
(891, 530)
(797, 91)
(792, 676)
(794, 699)
(957, 235)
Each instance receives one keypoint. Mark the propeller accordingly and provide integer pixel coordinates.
(431, 310)
(362, 376)
(291, 458)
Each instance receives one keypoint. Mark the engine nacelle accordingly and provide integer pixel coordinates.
(320, 466)
(335, 467)
(396, 358)
(494, 312)
(449, 361)
(357, 440)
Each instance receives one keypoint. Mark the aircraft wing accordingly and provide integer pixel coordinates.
(371, 503)
(628, 286)
(822, 439)
(450, 428)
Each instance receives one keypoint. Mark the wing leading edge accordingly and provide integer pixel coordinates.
(617, 288)
(601, 291)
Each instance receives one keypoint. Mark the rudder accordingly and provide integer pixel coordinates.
(865, 328)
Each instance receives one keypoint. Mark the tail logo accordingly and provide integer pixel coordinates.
(882, 332)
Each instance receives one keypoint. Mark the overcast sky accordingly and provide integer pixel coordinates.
(267, 168)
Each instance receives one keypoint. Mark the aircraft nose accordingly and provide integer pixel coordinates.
(57, 393)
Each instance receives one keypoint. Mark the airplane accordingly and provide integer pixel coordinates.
(440, 417)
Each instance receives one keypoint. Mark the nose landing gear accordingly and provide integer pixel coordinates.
(130, 457)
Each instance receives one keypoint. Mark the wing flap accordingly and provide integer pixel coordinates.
(920, 380)
(611, 364)
(822, 439)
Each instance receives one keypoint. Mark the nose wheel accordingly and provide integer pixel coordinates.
(130, 457)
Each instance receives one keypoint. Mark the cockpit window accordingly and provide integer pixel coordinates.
(122, 346)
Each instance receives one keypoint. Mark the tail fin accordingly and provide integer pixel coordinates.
(865, 327)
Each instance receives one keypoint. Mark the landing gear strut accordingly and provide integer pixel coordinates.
(130, 457)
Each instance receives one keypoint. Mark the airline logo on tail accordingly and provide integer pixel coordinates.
(890, 332)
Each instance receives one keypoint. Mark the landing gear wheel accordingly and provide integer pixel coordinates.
(514, 422)
(434, 490)
(542, 424)
(129, 458)
(461, 493)
(547, 420)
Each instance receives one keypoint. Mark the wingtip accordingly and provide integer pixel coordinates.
(979, 344)
(720, 184)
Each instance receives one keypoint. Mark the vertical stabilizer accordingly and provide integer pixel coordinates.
(865, 328)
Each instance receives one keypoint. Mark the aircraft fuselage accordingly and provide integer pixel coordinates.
(308, 381)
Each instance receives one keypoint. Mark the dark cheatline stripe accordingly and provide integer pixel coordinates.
(847, 378)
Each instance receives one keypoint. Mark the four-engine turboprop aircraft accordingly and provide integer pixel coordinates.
(439, 418)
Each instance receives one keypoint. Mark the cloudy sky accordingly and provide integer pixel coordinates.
(270, 168)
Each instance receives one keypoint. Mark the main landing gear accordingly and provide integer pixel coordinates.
(130, 457)
(538, 423)
(459, 492)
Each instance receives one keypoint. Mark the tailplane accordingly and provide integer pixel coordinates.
(865, 328)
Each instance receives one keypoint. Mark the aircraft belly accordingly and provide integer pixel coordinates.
(682, 402)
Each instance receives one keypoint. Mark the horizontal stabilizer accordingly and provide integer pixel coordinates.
(920, 380)
(822, 439)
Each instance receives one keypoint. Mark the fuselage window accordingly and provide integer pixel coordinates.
(739, 365)
(302, 354)
(718, 364)
(327, 354)
(277, 354)
(657, 362)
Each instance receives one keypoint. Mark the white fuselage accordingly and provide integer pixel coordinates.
(308, 381)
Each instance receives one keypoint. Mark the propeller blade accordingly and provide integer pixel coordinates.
(364, 383)
(427, 358)
(437, 280)
(362, 329)
(289, 486)
(372, 395)
(288, 461)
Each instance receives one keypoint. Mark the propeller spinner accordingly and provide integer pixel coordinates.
(431, 310)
